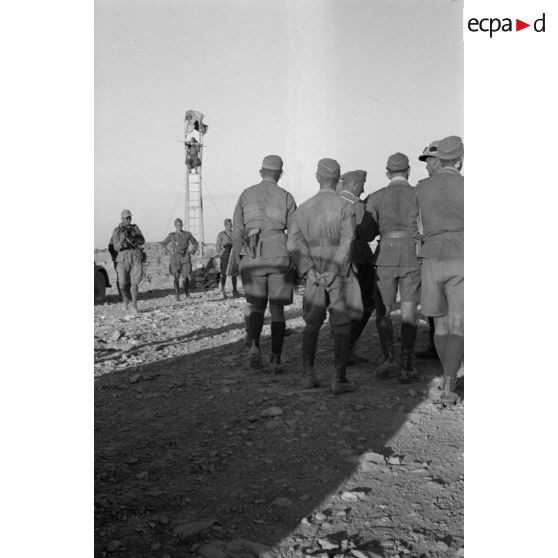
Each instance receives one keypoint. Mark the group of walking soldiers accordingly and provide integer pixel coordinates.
(326, 242)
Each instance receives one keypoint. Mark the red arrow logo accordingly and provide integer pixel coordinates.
(519, 25)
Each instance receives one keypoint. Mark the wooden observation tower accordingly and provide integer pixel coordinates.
(194, 131)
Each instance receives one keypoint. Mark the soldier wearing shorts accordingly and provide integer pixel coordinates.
(428, 156)
(320, 239)
(397, 266)
(127, 241)
(262, 215)
(439, 205)
(182, 245)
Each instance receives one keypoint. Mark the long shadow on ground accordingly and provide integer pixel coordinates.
(184, 440)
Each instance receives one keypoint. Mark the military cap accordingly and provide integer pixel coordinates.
(397, 162)
(328, 168)
(354, 176)
(450, 148)
(429, 151)
(125, 213)
(272, 162)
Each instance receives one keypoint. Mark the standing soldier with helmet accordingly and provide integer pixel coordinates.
(320, 238)
(127, 240)
(397, 266)
(439, 205)
(262, 214)
(428, 156)
(183, 245)
(350, 189)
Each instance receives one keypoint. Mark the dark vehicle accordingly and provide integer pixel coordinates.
(101, 283)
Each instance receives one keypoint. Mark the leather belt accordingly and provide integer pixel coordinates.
(323, 243)
(396, 234)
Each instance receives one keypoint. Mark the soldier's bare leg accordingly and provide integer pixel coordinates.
(407, 372)
(134, 293)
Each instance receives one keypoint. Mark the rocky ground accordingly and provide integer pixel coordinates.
(197, 456)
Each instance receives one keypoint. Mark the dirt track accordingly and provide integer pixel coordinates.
(188, 462)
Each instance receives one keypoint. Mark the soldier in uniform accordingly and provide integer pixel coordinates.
(428, 156)
(127, 241)
(320, 239)
(224, 247)
(350, 189)
(262, 215)
(183, 245)
(397, 266)
(439, 205)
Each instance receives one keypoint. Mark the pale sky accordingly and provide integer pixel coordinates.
(356, 80)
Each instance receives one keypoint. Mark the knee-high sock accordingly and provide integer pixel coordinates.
(186, 285)
(408, 338)
(454, 355)
(256, 321)
(223, 280)
(234, 283)
(440, 342)
(385, 332)
(309, 345)
(277, 336)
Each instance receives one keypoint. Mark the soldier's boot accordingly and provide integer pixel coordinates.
(176, 288)
(222, 287)
(254, 355)
(341, 349)
(247, 340)
(277, 337)
(339, 382)
(134, 293)
(186, 286)
(275, 363)
(235, 293)
(385, 333)
(309, 346)
(407, 372)
(448, 396)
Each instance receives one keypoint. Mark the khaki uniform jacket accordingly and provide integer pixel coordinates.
(126, 252)
(439, 205)
(270, 208)
(321, 234)
(179, 243)
(390, 208)
(224, 238)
